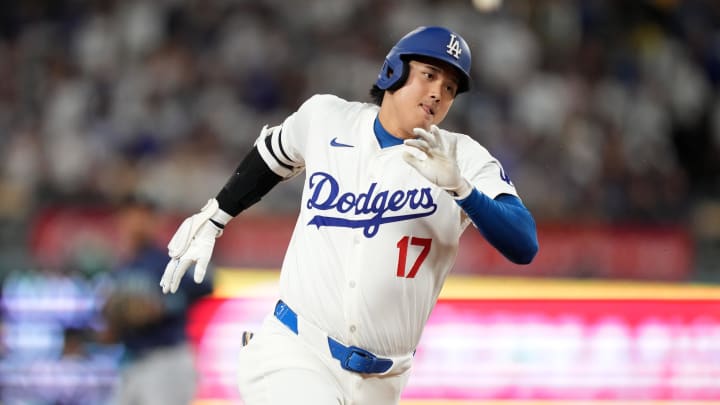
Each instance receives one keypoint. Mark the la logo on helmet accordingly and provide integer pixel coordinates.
(453, 47)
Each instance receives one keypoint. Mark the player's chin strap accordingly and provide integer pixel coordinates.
(351, 358)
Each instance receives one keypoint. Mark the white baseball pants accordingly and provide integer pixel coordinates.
(279, 367)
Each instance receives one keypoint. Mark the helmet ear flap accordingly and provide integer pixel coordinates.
(401, 76)
(393, 73)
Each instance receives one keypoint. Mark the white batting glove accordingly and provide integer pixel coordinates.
(193, 242)
(440, 165)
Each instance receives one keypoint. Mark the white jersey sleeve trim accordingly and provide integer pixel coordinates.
(483, 170)
(270, 148)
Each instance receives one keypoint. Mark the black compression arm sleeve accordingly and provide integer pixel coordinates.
(250, 182)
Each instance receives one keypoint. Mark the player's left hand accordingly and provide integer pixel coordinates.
(440, 166)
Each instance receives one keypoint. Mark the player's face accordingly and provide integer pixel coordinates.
(425, 99)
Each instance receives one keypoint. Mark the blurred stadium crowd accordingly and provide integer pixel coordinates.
(601, 111)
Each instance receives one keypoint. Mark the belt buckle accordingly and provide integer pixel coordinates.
(362, 361)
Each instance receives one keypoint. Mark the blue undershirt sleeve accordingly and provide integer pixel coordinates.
(505, 223)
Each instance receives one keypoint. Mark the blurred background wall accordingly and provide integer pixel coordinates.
(606, 115)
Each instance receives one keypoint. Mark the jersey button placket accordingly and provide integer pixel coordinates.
(355, 264)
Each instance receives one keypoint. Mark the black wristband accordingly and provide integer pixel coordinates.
(250, 182)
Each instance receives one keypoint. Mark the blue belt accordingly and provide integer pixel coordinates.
(351, 358)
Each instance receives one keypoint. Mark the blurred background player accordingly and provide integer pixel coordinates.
(159, 366)
(387, 196)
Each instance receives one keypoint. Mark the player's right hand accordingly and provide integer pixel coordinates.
(440, 163)
(192, 243)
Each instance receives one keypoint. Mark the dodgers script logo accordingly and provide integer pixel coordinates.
(327, 196)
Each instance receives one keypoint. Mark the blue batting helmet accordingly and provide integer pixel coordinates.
(434, 42)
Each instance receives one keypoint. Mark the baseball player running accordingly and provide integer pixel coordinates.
(387, 195)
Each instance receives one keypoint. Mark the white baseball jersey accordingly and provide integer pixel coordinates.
(374, 240)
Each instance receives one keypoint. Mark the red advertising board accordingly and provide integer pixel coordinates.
(509, 340)
(580, 250)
